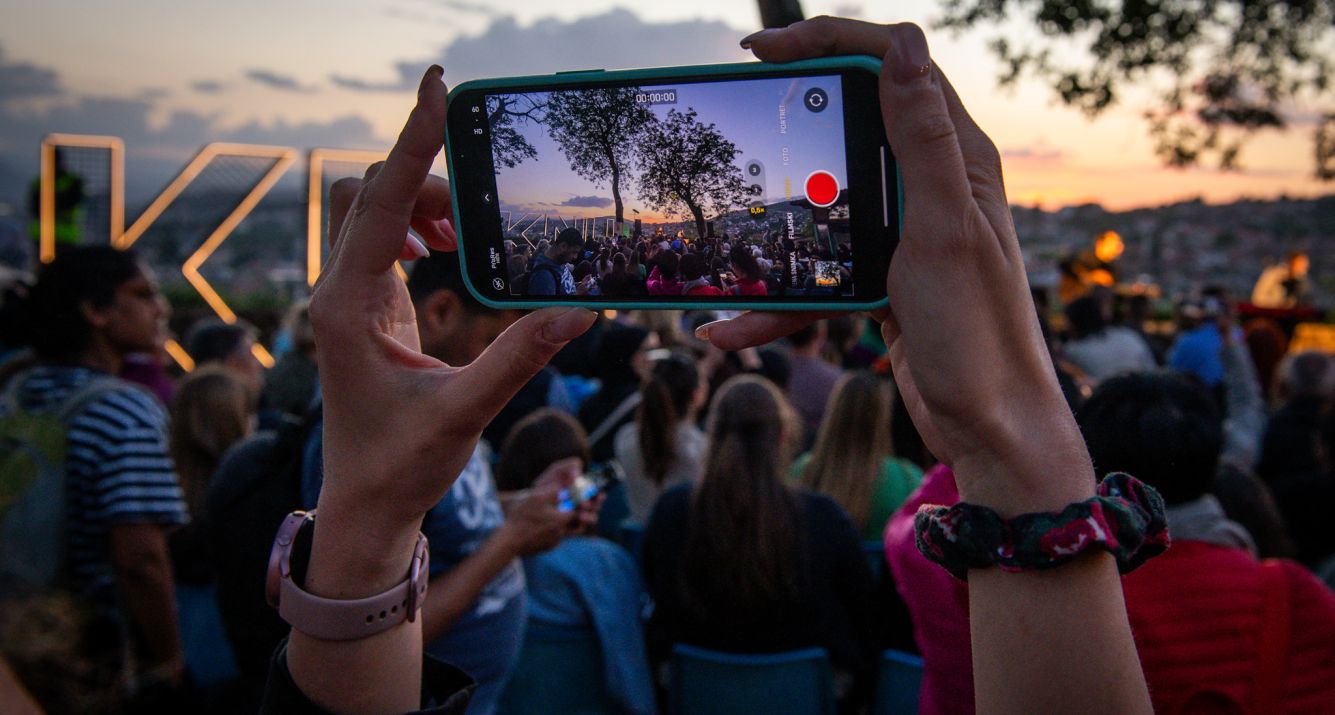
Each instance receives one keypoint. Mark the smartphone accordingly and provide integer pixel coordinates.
(588, 486)
(736, 186)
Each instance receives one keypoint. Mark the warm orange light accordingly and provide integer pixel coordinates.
(1298, 264)
(315, 199)
(1109, 247)
(47, 187)
(1100, 277)
(283, 158)
(179, 354)
(265, 358)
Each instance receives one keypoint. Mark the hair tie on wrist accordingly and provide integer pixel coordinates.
(1126, 519)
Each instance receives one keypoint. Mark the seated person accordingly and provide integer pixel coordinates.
(695, 273)
(663, 447)
(585, 582)
(744, 563)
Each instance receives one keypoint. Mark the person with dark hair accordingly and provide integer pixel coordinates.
(695, 273)
(549, 271)
(663, 447)
(1101, 350)
(1248, 501)
(228, 344)
(1200, 610)
(621, 363)
(664, 278)
(1304, 499)
(813, 378)
(586, 276)
(744, 563)
(620, 281)
(585, 583)
(748, 277)
(290, 387)
(1198, 348)
(1288, 448)
(90, 307)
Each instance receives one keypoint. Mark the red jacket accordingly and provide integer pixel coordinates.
(1196, 613)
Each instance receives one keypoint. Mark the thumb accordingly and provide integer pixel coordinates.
(488, 383)
(919, 127)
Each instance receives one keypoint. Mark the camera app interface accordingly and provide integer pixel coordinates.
(714, 190)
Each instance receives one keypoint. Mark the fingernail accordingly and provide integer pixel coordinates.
(909, 57)
(568, 325)
(447, 228)
(433, 74)
(702, 332)
(415, 245)
(746, 41)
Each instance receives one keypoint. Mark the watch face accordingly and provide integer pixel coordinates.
(280, 556)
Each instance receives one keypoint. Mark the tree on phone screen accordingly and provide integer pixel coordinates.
(689, 166)
(597, 130)
(505, 112)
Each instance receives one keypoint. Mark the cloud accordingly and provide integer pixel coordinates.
(19, 80)
(474, 7)
(273, 80)
(614, 39)
(1039, 153)
(589, 202)
(362, 85)
(208, 86)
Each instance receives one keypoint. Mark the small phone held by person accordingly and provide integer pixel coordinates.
(588, 486)
(738, 186)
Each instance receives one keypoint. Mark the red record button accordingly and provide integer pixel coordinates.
(822, 189)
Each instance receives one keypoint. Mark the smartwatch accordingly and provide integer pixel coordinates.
(333, 619)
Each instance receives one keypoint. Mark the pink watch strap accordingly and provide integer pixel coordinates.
(342, 620)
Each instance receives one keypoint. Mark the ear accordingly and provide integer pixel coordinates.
(96, 317)
(436, 312)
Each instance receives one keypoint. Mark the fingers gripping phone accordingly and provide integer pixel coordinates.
(738, 186)
(588, 486)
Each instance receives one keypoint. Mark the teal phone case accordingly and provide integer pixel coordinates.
(561, 79)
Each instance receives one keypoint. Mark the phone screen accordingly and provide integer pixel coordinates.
(723, 190)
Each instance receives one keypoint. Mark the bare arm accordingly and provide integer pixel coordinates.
(144, 577)
(972, 368)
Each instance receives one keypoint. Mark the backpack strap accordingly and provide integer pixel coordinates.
(631, 402)
(73, 403)
(1273, 647)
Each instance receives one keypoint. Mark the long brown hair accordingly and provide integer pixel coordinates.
(211, 411)
(743, 548)
(853, 442)
(664, 401)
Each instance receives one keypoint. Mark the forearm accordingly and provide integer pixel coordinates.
(452, 594)
(1056, 640)
(144, 577)
(353, 556)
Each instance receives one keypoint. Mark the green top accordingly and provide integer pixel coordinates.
(897, 479)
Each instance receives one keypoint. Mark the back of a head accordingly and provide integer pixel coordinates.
(211, 411)
(56, 326)
(1307, 374)
(692, 267)
(1160, 428)
(213, 341)
(666, 400)
(1085, 316)
(853, 441)
(746, 264)
(667, 262)
(616, 348)
(806, 336)
(740, 556)
(297, 323)
(535, 443)
(437, 272)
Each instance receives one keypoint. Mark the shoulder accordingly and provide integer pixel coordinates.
(822, 511)
(627, 437)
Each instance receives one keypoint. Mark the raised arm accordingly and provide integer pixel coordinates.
(972, 367)
(394, 418)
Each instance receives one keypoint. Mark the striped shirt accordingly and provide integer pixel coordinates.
(117, 471)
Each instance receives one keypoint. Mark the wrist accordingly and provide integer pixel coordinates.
(1043, 468)
(356, 553)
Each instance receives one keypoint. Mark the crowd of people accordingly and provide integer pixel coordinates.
(757, 457)
(570, 264)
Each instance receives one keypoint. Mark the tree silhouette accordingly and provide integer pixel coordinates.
(1223, 69)
(597, 130)
(686, 164)
(505, 112)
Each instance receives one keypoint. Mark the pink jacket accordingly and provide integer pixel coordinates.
(938, 603)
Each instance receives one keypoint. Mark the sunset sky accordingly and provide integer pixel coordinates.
(168, 76)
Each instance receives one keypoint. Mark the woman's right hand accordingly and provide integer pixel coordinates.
(964, 340)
